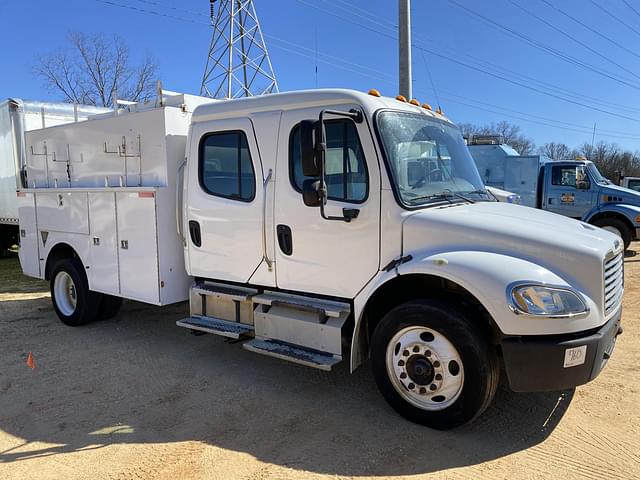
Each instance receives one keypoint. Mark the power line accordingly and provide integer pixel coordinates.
(542, 46)
(631, 7)
(592, 30)
(615, 17)
(151, 12)
(162, 5)
(571, 37)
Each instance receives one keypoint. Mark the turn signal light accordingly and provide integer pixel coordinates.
(400, 98)
(374, 92)
(426, 106)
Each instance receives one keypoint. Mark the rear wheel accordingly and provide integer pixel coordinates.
(617, 227)
(431, 364)
(72, 300)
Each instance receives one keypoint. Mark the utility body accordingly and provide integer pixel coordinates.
(573, 188)
(322, 227)
(17, 117)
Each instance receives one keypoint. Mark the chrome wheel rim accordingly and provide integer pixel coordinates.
(65, 293)
(425, 368)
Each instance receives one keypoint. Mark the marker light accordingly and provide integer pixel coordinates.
(374, 92)
(400, 98)
(426, 106)
(415, 102)
(439, 111)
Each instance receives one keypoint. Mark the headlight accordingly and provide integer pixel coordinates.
(514, 199)
(546, 301)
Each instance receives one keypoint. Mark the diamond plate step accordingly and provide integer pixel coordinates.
(216, 326)
(283, 351)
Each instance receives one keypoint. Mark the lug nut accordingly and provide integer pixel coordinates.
(416, 349)
(411, 386)
(433, 386)
(403, 375)
(401, 363)
(438, 377)
(423, 391)
(436, 364)
(427, 353)
(405, 353)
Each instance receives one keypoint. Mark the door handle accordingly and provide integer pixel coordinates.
(194, 233)
(550, 201)
(285, 239)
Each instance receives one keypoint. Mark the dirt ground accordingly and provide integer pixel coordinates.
(137, 397)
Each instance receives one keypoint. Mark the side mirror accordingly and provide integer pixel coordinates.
(310, 159)
(311, 193)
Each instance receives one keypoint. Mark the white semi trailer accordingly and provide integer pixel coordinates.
(320, 227)
(18, 116)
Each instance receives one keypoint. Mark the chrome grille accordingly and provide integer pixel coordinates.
(613, 282)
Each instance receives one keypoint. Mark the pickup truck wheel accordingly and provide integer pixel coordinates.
(72, 300)
(432, 366)
(617, 227)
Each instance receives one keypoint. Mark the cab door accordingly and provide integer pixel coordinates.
(223, 220)
(321, 256)
(568, 190)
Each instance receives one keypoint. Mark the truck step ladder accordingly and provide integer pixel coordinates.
(216, 326)
(284, 351)
(328, 307)
(231, 292)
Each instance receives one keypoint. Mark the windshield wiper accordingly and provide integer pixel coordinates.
(445, 195)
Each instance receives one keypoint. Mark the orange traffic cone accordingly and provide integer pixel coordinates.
(30, 363)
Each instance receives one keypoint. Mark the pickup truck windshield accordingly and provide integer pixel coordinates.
(429, 160)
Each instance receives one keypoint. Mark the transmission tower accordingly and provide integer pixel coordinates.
(238, 64)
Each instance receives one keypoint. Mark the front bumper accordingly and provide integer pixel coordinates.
(546, 363)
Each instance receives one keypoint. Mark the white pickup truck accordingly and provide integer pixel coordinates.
(320, 227)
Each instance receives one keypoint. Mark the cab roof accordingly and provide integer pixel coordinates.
(303, 99)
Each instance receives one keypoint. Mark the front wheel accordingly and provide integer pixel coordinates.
(432, 365)
(72, 300)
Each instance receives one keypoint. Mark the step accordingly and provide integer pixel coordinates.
(284, 351)
(328, 307)
(216, 326)
(231, 292)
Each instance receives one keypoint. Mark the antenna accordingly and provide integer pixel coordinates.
(238, 64)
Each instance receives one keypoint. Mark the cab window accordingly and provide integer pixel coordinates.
(569, 176)
(345, 172)
(225, 166)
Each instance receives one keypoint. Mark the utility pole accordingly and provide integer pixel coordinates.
(404, 27)
(238, 64)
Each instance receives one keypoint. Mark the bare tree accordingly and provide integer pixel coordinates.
(510, 133)
(557, 151)
(93, 68)
(611, 159)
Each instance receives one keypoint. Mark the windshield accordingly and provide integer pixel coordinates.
(595, 174)
(429, 160)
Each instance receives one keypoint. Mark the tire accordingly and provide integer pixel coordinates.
(617, 226)
(72, 300)
(453, 376)
(109, 307)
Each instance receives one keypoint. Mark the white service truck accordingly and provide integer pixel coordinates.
(18, 116)
(320, 227)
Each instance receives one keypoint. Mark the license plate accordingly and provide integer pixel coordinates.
(575, 356)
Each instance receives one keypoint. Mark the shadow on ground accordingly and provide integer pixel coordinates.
(140, 379)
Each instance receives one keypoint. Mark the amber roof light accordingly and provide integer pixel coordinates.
(374, 92)
(400, 98)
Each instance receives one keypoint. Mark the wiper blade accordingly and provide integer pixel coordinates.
(445, 195)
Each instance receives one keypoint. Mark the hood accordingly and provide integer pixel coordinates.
(571, 249)
(621, 194)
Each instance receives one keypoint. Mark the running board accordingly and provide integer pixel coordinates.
(327, 307)
(216, 326)
(283, 351)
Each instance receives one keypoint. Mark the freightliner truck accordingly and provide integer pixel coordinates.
(322, 227)
(17, 117)
(574, 188)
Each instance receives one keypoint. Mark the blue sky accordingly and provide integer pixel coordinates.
(485, 69)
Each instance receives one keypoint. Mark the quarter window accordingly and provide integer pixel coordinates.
(226, 169)
(345, 168)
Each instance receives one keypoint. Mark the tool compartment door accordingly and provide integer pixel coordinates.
(103, 274)
(28, 253)
(138, 246)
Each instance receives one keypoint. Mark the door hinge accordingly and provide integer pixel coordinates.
(397, 262)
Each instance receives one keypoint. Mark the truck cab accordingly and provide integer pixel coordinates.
(573, 188)
(322, 227)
